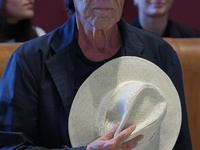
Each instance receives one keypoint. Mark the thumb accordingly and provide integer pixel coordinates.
(111, 133)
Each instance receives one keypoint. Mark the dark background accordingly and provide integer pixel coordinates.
(50, 14)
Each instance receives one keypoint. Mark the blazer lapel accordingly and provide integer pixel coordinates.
(61, 64)
(61, 68)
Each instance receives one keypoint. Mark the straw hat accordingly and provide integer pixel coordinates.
(127, 90)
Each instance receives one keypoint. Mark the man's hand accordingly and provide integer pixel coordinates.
(109, 142)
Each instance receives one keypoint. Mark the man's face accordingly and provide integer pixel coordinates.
(99, 13)
(154, 7)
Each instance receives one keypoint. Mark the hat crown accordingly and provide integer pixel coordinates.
(132, 102)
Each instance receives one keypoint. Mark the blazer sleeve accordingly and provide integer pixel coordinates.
(19, 107)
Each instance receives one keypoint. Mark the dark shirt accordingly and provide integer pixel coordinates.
(174, 30)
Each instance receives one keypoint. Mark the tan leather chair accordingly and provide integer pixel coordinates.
(188, 51)
(6, 49)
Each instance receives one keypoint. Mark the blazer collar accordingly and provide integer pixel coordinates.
(63, 36)
(133, 45)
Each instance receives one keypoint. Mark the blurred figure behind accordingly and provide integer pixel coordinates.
(153, 16)
(16, 21)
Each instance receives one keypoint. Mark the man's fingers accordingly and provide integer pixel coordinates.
(111, 133)
(108, 141)
(123, 135)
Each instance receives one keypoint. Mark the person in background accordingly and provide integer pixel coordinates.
(43, 76)
(153, 16)
(16, 21)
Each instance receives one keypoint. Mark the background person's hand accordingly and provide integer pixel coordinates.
(109, 142)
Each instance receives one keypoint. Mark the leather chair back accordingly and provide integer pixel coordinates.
(6, 49)
(188, 50)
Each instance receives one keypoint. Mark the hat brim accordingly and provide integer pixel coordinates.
(84, 109)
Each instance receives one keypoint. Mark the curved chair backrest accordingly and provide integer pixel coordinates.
(6, 49)
(188, 50)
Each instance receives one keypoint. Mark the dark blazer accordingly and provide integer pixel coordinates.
(37, 86)
(174, 30)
